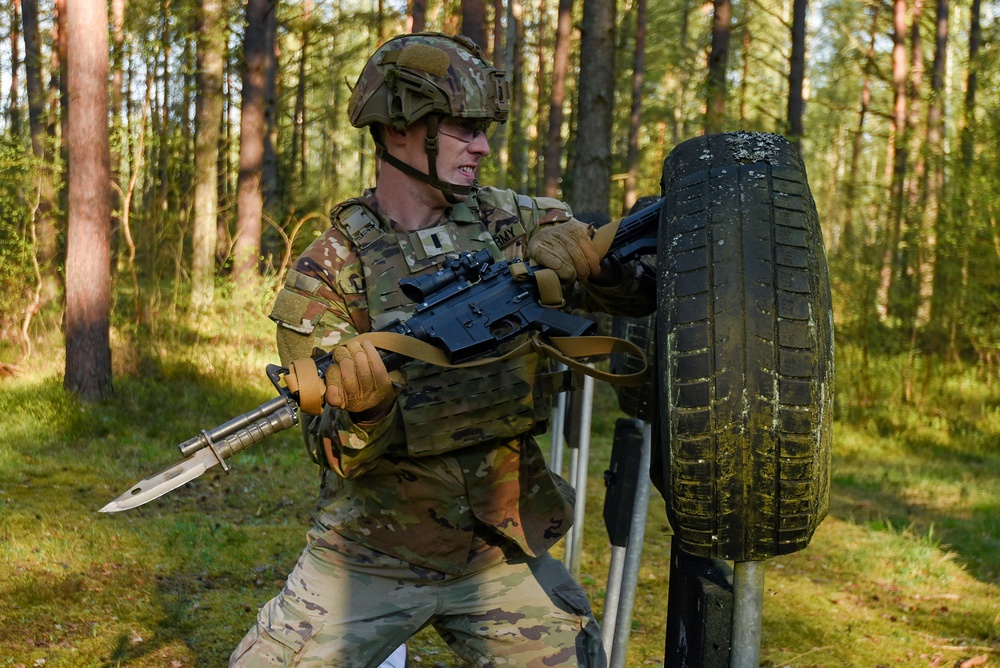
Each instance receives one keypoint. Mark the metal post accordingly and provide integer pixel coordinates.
(570, 541)
(633, 554)
(611, 597)
(748, 607)
(582, 419)
(557, 429)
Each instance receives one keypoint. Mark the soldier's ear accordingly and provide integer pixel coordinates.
(391, 135)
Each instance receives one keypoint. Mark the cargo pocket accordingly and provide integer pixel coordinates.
(589, 650)
(278, 637)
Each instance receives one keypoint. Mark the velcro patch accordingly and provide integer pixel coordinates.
(426, 58)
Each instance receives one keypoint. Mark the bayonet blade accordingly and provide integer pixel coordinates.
(163, 482)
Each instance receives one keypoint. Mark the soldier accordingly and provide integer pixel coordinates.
(436, 505)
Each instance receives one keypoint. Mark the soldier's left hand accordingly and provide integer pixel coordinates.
(567, 249)
(358, 380)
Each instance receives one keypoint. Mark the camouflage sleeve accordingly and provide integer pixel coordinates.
(632, 295)
(352, 448)
(321, 305)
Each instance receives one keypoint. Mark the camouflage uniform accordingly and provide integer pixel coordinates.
(442, 512)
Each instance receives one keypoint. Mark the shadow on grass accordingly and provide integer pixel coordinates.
(937, 488)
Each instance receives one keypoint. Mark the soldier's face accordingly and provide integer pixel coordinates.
(460, 148)
(462, 145)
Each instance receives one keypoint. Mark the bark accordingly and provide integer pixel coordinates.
(964, 204)
(88, 279)
(208, 115)
(162, 167)
(270, 175)
(497, 52)
(560, 67)
(933, 186)
(253, 130)
(890, 257)
(797, 71)
(592, 160)
(847, 236)
(59, 61)
(518, 161)
(33, 76)
(501, 61)
(14, 107)
(416, 17)
(474, 21)
(299, 115)
(718, 58)
(41, 148)
(680, 118)
(542, 78)
(635, 117)
(117, 78)
(745, 53)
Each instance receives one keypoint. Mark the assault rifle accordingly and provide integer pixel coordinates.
(468, 309)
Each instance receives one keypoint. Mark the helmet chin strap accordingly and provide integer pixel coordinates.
(451, 191)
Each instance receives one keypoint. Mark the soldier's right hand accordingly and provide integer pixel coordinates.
(358, 380)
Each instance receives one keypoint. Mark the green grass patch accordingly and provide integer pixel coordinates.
(905, 570)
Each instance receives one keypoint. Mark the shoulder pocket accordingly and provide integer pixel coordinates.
(296, 311)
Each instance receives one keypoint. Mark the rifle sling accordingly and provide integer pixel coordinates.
(566, 349)
(604, 235)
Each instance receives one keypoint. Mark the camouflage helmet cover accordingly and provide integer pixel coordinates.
(413, 75)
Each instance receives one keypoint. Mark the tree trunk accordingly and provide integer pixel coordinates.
(298, 160)
(497, 53)
(935, 222)
(718, 58)
(745, 58)
(560, 67)
(638, 74)
(117, 79)
(163, 161)
(542, 78)
(592, 161)
(61, 91)
(474, 22)
(797, 71)
(14, 107)
(517, 140)
(847, 235)
(890, 254)
(416, 17)
(964, 204)
(253, 129)
(88, 279)
(208, 116)
(270, 175)
(41, 148)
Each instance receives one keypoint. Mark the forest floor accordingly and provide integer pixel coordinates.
(905, 570)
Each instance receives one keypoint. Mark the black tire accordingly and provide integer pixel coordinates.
(745, 348)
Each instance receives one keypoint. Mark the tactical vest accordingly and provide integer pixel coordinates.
(443, 409)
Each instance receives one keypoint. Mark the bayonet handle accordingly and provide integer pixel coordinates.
(193, 445)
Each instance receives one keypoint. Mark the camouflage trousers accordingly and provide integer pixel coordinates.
(347, 606)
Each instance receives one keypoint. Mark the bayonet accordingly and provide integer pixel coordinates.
(214, 447)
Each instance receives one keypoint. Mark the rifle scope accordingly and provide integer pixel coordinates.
(466, 267)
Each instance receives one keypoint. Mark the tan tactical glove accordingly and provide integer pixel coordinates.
(358, 380)
(567, 249)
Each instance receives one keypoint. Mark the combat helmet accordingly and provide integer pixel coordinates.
(427, 76)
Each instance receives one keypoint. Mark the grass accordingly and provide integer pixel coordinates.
(905, 571)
